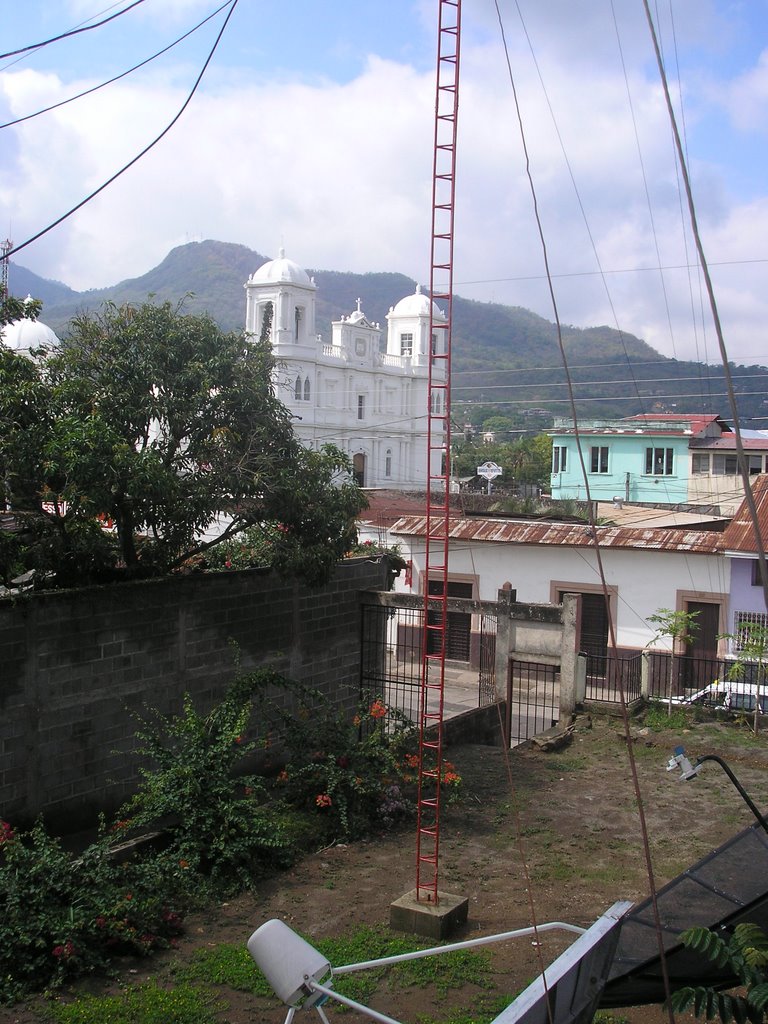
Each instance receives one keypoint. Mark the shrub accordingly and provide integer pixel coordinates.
(351, 775)
(216, 818)
(63, 915)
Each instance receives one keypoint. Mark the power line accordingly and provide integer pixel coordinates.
(124, 74)
(615, 270)
(71, 32)
(163, 133)
(592, 383)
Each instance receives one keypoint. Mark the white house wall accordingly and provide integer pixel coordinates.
(645, 581)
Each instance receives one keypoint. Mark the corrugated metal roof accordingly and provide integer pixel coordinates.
(740, 534)
(505, 531)
(728, 441)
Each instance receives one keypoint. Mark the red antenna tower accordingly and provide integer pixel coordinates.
(433, 642)
(5, 248)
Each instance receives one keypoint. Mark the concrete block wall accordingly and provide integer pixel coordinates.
(75, 665)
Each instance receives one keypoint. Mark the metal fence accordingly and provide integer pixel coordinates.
(686, 676)
(533, 699)
(607, 676)
(391, 663)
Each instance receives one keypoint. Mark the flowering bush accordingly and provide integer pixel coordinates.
(62, 915)
(253, 547)
(351, 774)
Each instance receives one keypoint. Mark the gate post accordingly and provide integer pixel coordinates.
(645, 674)
(569, 689)
(505, 598)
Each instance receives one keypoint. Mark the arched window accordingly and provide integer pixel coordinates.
(388, 463)
(297, 389)
(297, 320)
(306, 389)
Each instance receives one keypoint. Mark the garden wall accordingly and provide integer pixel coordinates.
(74, 665)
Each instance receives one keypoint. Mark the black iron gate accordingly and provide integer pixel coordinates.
(533, 700)
(391, 664)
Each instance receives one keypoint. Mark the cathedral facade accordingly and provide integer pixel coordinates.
(367, 389)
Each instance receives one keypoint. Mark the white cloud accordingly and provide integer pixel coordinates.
(339, 172)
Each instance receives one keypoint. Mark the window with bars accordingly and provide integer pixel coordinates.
(700, 463)
(745, 626)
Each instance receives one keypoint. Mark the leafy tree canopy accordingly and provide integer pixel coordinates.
(158, 424)
(526, 461)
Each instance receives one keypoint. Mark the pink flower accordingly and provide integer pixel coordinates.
(323, 800)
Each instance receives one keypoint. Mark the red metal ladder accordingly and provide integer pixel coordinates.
(435, 627)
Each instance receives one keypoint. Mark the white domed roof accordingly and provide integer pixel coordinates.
(281, 270)
(417, 304)
(24, 335)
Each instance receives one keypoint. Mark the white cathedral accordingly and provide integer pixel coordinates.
(370, 399)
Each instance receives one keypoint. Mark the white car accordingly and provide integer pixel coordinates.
(731, 694)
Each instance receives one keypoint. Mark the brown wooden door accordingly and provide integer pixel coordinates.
(458, 624)
(699, 665)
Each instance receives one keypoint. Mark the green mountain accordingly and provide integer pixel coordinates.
(505, 359)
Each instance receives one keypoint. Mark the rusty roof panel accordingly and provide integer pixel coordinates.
(504, 531)
(740, 534)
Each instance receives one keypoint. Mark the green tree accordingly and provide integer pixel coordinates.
(745, 955)
(679, 627)
(12, 309)
(751, 645)
(169, 430)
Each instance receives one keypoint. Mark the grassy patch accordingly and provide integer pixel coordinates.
(565, 764)
(231, 966)
(482, 1011)
(149, 1004)
(659, 718)
(228, 965)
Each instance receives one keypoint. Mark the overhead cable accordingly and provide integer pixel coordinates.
(124, 74)
(71, 32)
(143, 152)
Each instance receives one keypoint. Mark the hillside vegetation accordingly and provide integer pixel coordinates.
(503, 356)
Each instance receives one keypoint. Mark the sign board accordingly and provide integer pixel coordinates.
(489, 470)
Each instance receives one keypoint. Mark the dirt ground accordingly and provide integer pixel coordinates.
(555, 835)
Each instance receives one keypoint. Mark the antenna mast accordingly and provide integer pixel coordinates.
(433, 643)
(6, 247)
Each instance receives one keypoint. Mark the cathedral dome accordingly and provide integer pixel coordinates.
(417, 304)
(281, 271)
(23, 335)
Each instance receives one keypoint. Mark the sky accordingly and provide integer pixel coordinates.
(312, 129)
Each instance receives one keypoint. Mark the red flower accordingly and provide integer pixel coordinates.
(377, 709)
(6, 832)
(323, 800)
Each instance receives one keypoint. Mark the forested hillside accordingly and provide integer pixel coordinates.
(504, 358)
